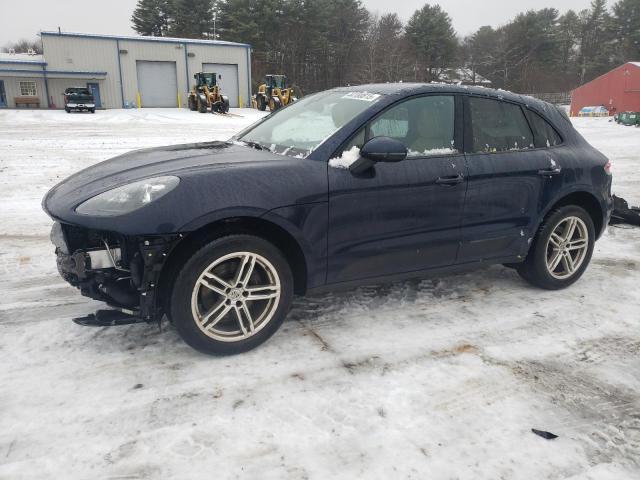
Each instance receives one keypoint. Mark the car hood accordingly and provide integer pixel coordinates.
(153, 162)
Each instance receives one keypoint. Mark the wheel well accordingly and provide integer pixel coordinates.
(237, 225)
(589, 203)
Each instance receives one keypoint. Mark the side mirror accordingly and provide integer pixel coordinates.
(378, 149)
(384, 149)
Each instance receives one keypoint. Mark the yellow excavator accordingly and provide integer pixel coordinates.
(273, 93)
(206, 95)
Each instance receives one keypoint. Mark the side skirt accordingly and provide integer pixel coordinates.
(416, 274)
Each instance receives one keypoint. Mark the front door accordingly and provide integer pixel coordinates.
(506, 180)
(405, 216)
(94, 88)
(3, 95)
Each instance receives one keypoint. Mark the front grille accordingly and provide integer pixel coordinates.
(79, 238)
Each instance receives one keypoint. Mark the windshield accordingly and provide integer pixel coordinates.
(78, 91)
(300, 128)
(209, 79)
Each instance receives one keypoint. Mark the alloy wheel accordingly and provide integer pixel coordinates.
(567, 247)
(235, 296)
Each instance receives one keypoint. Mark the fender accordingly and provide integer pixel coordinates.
(578, 188)
(310, 237)
(221, 214)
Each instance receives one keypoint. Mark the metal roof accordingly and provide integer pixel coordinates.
(22, 58)
(190, 41)
(53, 73)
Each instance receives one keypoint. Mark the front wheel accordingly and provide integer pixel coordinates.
(262, 103)
(202, 106)
(561, 250)
(231, 295)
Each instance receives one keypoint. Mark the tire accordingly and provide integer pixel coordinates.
(274, 104)
(224, 106)
(192, 104)
(262, 103)
(545, 251)
(202, 107)
(92, 110)
(68, 110)
(226, 330)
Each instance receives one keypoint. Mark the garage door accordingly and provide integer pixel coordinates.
(157, 83)
(227, 78)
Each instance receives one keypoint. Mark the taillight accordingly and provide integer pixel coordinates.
(607, 167)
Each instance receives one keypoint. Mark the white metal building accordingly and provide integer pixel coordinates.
(123, 71)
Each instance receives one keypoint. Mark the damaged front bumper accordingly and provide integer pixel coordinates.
(122, 271)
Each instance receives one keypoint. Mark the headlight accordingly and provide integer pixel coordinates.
(128, 198)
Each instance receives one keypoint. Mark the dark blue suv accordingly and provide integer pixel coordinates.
(349, 186)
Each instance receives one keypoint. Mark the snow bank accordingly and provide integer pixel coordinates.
(431, 379)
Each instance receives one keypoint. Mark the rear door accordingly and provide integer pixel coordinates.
(509, 176)
(405, 216)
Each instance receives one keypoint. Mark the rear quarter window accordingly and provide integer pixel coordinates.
(545, 135)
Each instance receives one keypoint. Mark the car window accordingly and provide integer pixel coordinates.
(298, 129)
(498, 126)
(545, 135)
(425, 125)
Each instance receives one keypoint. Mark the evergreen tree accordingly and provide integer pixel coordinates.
(192, 18)
(152, 17)
(625, 23)
(595, 42)
(431, 34)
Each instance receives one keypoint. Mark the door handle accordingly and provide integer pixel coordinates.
(450, 180)
(550, 172)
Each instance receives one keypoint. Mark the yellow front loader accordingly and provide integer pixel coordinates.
(273, 93)
(206, 95)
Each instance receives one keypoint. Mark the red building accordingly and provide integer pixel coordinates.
(617, 90)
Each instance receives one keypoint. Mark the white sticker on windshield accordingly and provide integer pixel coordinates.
(364, 96)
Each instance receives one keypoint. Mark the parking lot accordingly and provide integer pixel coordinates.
(378, 382)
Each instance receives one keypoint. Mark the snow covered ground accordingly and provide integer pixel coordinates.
(436, 379)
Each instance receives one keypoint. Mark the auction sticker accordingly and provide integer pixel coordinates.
(364, 96)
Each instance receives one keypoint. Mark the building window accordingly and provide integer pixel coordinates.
(28, 88)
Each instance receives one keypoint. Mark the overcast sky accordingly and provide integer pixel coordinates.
(112, 16)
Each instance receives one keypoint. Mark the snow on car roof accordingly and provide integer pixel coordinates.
(401, 88)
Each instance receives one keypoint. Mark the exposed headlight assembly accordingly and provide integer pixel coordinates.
(129, 197)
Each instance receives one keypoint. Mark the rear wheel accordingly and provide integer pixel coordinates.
(66, 109)
(224, 106)
(231, 295)
(192, 104)
(561, 250)
(274, 104)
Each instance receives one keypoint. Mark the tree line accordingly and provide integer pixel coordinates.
(320, 44)
(324, 43)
